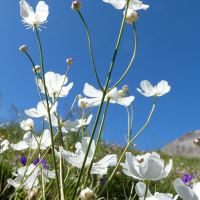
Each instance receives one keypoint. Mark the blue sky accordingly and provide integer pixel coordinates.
(168, 49)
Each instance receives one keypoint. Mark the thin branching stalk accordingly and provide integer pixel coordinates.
(71, 109)
(102, 100)
(111, 176)
(60, 87)
(61, 176)
(90, 47)
(130, 62)
(128, 125)
(49, 116)
(124, 191)
(82, 122)
(98, 140)
(131, 116)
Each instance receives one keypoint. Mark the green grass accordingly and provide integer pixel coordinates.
(181, 165)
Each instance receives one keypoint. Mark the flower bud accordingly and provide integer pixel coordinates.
(87, 194)
(118, 173)
(37, 68)
(131, 16)
(64, 138)
(23, 48)
(32, 194)
(125, 88)
(79, 96)
(76, 5)
(69, 61)
(27, 125)
(197, 142)
(139, 158)
(134, 145)
(122, 93)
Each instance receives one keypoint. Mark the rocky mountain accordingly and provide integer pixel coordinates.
(184, 145)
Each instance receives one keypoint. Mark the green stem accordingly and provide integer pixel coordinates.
(147, 186)
(102, 100)
(90, 47)
(82, 123)
(61, 175)
(48, 110)
(124, 191)
(131, 116)
(128, 125)
(131, 190)
(98, 140)
(130, 62)
(71, 109)
(111, 176)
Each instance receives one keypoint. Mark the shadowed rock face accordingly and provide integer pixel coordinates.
(184, 146)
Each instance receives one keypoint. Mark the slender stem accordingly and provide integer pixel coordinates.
(74, 139)
(107, 194)
(71, 109)
(98, 139)
(90, 47)
(61, 175)
(111, 176)
(147, 186)
(131, 190)
(131, 116)
(128, 125)
(102, 100)
(130, 62)
(49, 116)
(82, 123)
(124, 191)
(60, 87)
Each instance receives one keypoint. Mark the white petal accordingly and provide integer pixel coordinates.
(42, 10)
(183, 191)
(118, 4)
(46, 139)
(151, 168)
(25, 9)
(140, 190)
(166, 170)
(32, 113)
(126, 101)
(145, 94)
(147, 87)
(13, 183)
(19, 146)
(161, 87)
(65, 90)
(196, 188)
(162, 196)
(90, 91)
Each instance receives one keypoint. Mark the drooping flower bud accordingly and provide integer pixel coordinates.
(197, 142)
(69, 61)
(76, 5)
(37, 68)
(125, 88)
(27, 125)
(23, 48)
(122, 93)
(134, 145)
(87, 194)
(79, 96)
(131, 16)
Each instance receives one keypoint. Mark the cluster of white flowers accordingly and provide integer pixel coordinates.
(147, 167)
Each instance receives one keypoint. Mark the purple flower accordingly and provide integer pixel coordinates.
(103, 179)
(23, 160)
(187, 178)
(37, 160)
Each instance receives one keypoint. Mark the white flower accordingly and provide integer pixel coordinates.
(114, 96)
(41, 110)
(32, 181)
(133, 4)
(152, 168)
(87, 194)
(131, 16)
(27, 125)
(140, 190)
(78, 158)
(30, 141)
(185, 192)
(76, 5)
(53, 83)
(46, 173)
(31, 18)
(4, 146)
(159, 90)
